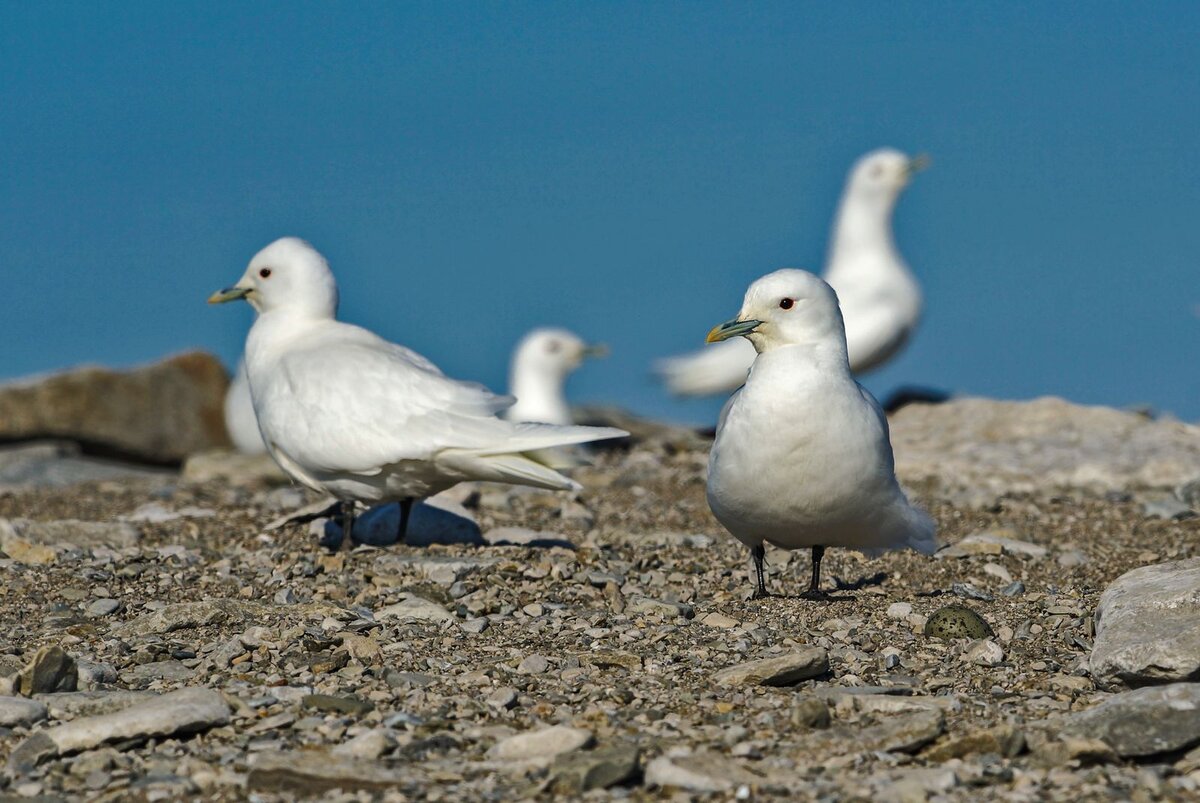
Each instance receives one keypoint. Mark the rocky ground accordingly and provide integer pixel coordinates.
(166, 639)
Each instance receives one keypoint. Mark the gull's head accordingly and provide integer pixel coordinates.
(553, 352)
(785, 308)
(883, 174)
(289, 274)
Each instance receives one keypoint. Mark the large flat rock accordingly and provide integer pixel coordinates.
(701, 771)
(1139, 723)
(1148, 626)
(181, 712)
(59, 464)
(781, 670)
(311, 773)
(1046, 443)
(114, 534)
(160, 413)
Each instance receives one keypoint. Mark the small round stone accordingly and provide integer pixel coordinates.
(957, 621)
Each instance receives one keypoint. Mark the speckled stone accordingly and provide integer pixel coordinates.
(957, 621)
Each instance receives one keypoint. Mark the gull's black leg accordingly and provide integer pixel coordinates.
(759, 553)
(814, 591)
(405, 512)
(346, 508)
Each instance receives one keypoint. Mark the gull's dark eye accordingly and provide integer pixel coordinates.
(552, 347)
(265, 273)
(786, 303)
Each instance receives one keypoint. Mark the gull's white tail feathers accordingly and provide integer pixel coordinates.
(528, 437)
(524, 456)
(515, 469)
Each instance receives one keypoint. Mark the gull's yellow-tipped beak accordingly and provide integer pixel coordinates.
(228, 294)
(918, 163)
(730, 329)
(597, 350)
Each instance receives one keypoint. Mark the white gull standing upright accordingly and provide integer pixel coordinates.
(802, 456)
(541, 363)
(344, 411)
(879, 296)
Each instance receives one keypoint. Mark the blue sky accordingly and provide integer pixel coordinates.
(625, 170)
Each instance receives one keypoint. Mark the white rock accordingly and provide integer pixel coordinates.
(703, 771)
(71, 705)
(984, 652)
(899, 610)
(1046, 443)
(533, 665)
(542, 744)
(157, 512)
(179, 712)
(999, 572)
(414, 609)
(234, 468)
(992, 543)
(369, 745)
(1148, 626)
(16, 711)
(115, 534)
(522, 536)
(782, 670)
(720, 621)
(445, 570)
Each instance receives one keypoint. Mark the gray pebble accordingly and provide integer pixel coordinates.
(477, 625)
(503, 698)
(1167, 508)
(968, 591)
(533, 665)
(101, 607)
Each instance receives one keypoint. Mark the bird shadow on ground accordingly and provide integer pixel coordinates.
(858, 584)
(877, 579)
(428, 524)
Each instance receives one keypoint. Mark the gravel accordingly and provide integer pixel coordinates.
(615, 654)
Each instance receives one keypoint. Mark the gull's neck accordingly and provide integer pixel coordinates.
(785, 365)
(862, 232)
(274, 329)
(539, 393)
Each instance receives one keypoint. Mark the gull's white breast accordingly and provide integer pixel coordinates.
(802, 459)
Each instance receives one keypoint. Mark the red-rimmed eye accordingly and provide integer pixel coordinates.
(265, 273)
(786, 303)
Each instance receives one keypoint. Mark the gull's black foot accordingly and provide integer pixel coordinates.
(817, 595)
(761, 593)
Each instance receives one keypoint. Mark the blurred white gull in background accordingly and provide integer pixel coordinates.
(541, 364)
(879, 296)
